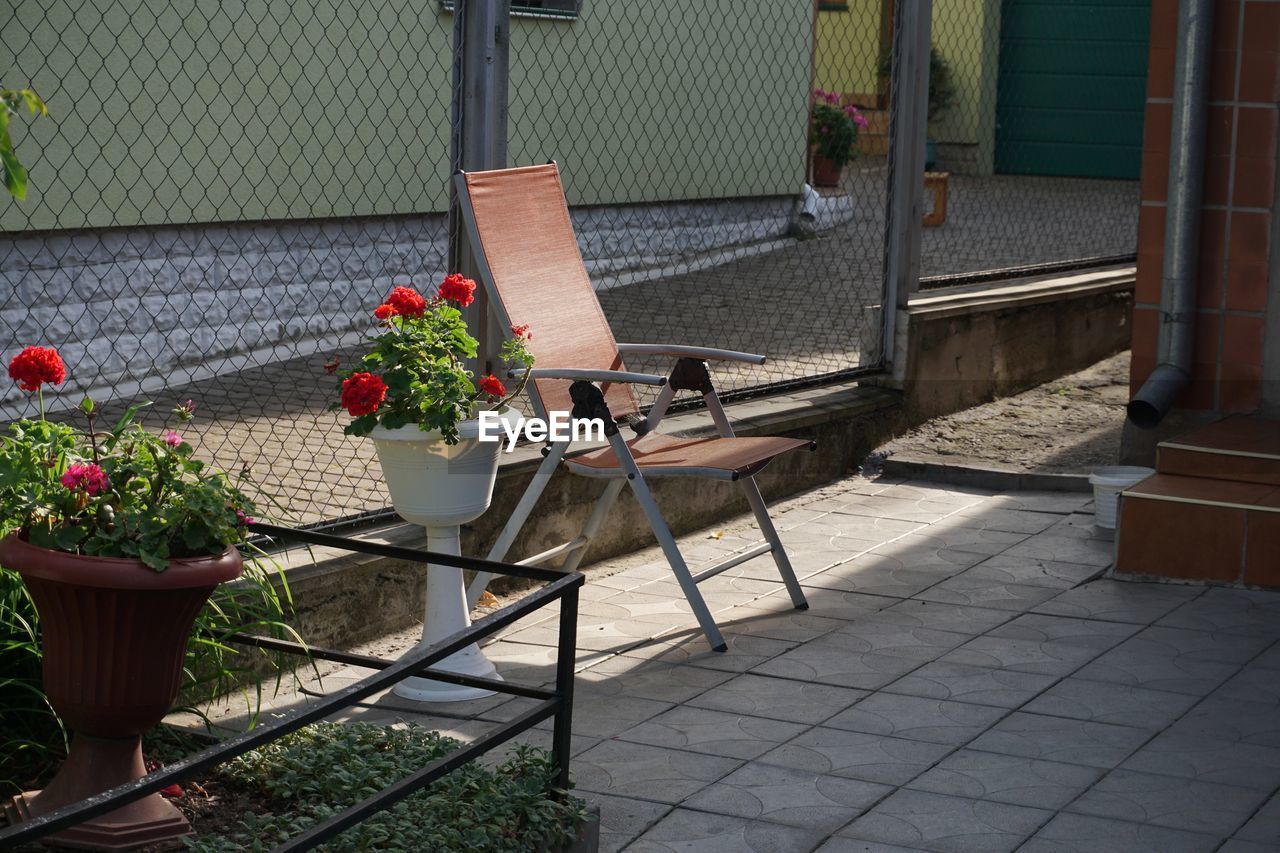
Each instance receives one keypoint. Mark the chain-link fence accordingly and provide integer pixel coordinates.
(222, 191)
(219, 194)
(682, 135)
(1035, 112)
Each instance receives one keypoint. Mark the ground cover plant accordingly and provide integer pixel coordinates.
(295, 782)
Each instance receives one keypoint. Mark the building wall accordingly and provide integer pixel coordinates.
(847, 53)
(966, 33)
(169, 112)
(646, 105)
(1237, 283)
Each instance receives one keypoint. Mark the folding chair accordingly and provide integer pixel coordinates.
(518, 224)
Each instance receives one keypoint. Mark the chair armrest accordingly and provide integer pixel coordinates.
(574, 373)
(705, 353)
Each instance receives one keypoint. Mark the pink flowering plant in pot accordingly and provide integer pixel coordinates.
(833, 129)
(112, 540)
(121, 491)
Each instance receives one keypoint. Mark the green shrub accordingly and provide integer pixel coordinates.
(31, 736)
(318, 771)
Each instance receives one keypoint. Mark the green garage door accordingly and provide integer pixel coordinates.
(1071, 87)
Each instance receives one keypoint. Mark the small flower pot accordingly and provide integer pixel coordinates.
(436, 484)
(113, 636)
(825, 172)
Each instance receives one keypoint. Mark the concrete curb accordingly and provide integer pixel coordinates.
(981, 477)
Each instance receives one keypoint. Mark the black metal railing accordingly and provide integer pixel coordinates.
(556, 702)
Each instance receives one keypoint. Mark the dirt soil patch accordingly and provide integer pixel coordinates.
(1068, 426)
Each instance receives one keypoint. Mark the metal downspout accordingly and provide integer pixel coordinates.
(1182, 218)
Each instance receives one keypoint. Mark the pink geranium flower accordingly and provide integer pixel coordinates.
(85, 477)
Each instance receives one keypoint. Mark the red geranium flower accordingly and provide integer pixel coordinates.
(457, 289)
(363, 393)
(492, 386)
(384, 311)
(522, 331)
(169, 791)
(35, 366)
(406, 302)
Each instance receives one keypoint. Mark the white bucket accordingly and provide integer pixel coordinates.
(1108, 483)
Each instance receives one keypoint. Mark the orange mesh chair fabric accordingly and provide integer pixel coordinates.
(529, 261)
(656, 451)
(527, 238)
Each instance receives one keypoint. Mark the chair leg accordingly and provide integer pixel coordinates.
(599, 512)
(678, 565)
(771, 536)
(518, 518)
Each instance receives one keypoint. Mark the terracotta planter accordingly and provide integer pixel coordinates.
(114, 634)
(825, 172)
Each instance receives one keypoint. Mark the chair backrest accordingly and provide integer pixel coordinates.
(533, 272)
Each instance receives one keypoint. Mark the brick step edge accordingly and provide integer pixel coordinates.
(1211, 464)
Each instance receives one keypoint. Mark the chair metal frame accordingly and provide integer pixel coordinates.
(689, 373)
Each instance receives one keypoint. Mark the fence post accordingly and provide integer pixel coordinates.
(478, 132)
(908, 127)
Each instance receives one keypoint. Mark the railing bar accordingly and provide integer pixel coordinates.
(413, 661)
(290, 647)
(494, 684)
(562, 732)
(399, 552)
(370, 662)
(410, 785)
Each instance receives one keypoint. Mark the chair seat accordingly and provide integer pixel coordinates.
(667, 455)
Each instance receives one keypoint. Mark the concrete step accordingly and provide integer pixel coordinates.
(1244, 448)
(1200, 528)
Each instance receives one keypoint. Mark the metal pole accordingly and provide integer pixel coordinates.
(1177, 342)
(566, 658)
(908, 127)
(478, 138)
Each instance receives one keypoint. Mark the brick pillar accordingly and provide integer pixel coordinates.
(1236, 282)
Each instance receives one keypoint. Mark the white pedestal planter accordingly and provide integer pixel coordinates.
(442, 486)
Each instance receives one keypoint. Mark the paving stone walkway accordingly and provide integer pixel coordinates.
(966, 679)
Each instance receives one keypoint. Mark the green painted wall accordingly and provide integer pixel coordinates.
(665, 100)
(966, 32)
(178, 111)
(847, 58)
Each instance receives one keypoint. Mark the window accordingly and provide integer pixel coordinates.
(536, 8)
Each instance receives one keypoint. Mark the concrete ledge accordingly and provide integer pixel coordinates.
(984, 477)
(967, 346)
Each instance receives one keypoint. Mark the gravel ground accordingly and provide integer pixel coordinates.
(1068, 426)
